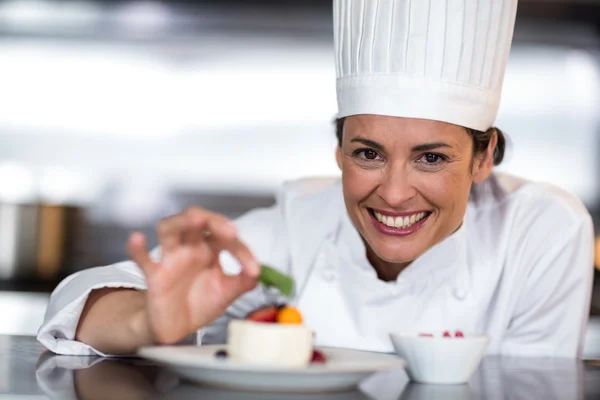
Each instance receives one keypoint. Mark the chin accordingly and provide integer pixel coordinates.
(395, 255)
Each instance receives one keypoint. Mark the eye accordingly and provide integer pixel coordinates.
(367, 154)
(432, 160)
(370, 154)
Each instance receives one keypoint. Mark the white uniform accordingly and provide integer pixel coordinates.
(520, 269)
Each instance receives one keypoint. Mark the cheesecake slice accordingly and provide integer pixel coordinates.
(270, 344)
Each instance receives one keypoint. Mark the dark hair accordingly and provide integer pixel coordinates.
(481, 139)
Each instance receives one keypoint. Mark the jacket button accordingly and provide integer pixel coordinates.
(328, 275)
(460, 294)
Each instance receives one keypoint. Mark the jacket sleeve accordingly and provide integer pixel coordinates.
(552, 311)
(57, 331)
(262, 230)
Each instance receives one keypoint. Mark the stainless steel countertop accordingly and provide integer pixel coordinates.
(27, 371)
(23, 313)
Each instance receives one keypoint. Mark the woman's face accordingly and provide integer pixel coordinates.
(406, 181)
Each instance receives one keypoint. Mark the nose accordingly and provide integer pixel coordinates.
(396, 187)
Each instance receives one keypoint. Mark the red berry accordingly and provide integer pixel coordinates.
(459, 334)
(447, 334)
(318, 357)
(425, 334)
(265, 314)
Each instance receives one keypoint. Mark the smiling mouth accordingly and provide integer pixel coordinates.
(400, 222)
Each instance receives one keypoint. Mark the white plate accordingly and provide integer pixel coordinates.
(343, 370)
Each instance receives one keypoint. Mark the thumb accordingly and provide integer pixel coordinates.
(236, 285)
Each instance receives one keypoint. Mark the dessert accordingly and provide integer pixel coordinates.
(272, 344)
(273, 335)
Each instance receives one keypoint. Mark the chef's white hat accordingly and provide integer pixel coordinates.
(434, 59)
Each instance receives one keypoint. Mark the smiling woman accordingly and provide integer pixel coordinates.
(407, 181)
(419, 235)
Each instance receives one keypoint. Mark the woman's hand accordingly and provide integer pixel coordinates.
(187, 288)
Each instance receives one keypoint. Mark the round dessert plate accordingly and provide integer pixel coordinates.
(343, 370)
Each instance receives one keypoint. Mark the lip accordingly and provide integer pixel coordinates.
(386, 230)
(398, 214)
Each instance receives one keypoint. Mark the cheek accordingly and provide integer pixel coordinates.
(358, 182)
(447, 190)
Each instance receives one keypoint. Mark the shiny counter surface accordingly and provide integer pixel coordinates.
(27, 371)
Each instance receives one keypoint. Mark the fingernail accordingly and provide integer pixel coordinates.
(254, 268)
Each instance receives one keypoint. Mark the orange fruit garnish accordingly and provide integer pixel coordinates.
(289, 315)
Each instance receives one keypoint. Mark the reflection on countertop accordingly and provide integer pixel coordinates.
(497, 378)
(26, 370)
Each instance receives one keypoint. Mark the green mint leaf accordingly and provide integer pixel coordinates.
(270, 277)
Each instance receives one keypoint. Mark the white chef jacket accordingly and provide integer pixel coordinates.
(519, 269)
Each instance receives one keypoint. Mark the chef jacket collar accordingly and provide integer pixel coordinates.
(441, 259)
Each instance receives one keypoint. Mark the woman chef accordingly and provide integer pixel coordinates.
(418, 234)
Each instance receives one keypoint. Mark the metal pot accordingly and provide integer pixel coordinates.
(34, 239)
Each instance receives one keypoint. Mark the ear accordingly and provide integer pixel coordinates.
(483, 163)
(338, 156)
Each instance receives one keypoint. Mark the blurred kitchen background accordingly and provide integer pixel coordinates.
(114, 114)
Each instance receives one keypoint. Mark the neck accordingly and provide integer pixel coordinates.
(386, 271)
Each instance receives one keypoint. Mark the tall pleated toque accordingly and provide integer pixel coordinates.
(435, 59)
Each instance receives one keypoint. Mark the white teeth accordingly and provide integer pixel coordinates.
(399, 222)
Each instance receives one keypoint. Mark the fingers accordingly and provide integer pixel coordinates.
(216, 225)
(170, 232)
(249, 263)
(223, 236)
(190, 228)
(136, 247)
(236, 285)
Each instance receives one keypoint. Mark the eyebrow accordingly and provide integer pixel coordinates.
(430, 146)
(369, 143)
(415, 149)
